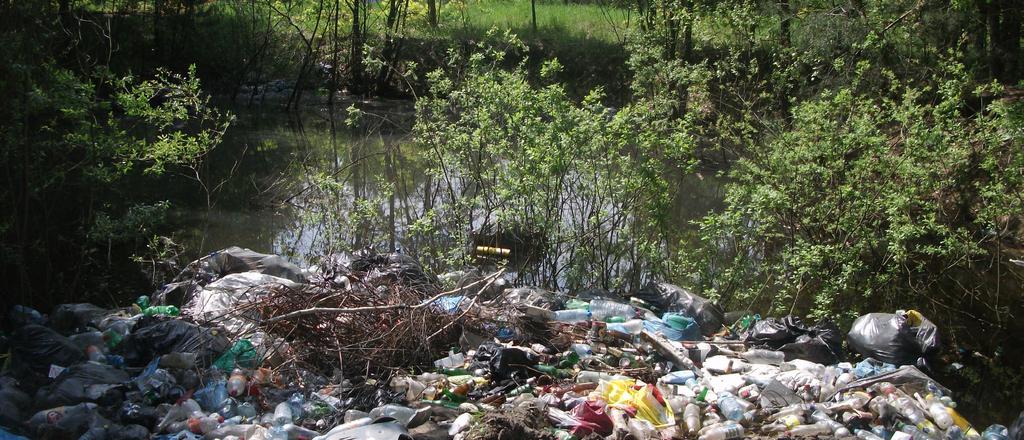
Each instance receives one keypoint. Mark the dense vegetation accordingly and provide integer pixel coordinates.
(874, 150)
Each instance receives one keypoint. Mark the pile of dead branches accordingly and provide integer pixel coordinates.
(364, 328)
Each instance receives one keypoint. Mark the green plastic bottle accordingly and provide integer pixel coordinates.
(161, 310)
(143, 302)
(453, 371)
(553, 371)
(569, 360)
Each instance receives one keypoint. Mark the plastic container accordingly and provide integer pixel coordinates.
(811, 430)
(236, 383)
(762, 356)
(602, 309)
(691, 416)
(597, 376)
(940, 415)
(630, 327)
(678, 377)
(572, 315)
(730, 407)
(282, 414)
(725, 432)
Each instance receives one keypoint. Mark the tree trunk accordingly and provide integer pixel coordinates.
(533, 12)
(356, 56)
(784, 27)
(1008, 41)
(432, 13)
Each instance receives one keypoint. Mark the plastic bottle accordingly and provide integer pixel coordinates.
(691, 416)
(161, 310)
(553, 371)
(282, 414)
(297, 402)
(95, 354)
(724, 432)
(572, 315)
(576, 304)
(678, 377)
(201, 424)
(939, 415)
(299, 433)
(583, 350)
(630, 327)
(729, 407)
(762, 356)
(866, 435)
(236, 383)
(587, 376)
(602, 309)
(402, 414)
(995, 432)
(178, 413)
(784, 423)
(811, 430)
(277, 433)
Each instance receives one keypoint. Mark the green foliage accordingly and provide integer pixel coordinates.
(865, 200)
(588, 179)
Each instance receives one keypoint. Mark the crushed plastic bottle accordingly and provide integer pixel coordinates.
(762, 356)
(727, 431)
(236, 383)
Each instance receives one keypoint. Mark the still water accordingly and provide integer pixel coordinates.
(269, 157)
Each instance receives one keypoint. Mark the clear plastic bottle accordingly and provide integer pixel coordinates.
(297, 402)
(724, 432)
(811, 430)
(586, 376)
(236, 383)
(730, 407)
(572, 315)
(282, 414)
(630, 327)
(602, 309)
(691, 416)
(866, 435)
(583, 350)
(939, 414)
(762, 356)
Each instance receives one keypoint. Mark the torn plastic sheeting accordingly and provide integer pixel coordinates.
(899, 338)
(391, 268)
(85, 382)
(907, 374)
(150, 340)
(671, 298)
(218, 301)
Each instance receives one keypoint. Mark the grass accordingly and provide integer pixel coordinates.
(556, 21)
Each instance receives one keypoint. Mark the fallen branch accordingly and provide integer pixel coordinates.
(346, 310)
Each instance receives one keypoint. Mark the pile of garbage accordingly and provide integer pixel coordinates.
(249, 346)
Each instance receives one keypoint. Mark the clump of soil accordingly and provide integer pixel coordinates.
(521, 422)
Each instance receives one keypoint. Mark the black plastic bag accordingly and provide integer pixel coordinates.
(34, 348)
(821, 343)
(85, 382)
(391, 269)
(665, 297)
(1016, 429)
(150, 340)
(512, 363)
(13, 402)
(772, 333)
(69, 318)
(899, 338)
(236, 260)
